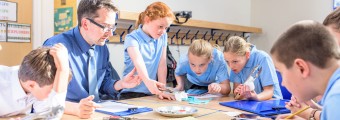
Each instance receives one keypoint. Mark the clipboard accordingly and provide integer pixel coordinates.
(262, 108)
(121, 109)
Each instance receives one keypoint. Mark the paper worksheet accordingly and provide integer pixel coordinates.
(112, 106)
(208, 95)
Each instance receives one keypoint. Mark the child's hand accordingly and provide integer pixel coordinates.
(131, 80)
(179, 88)
(214, 88)
(249, 94)
(154, 86)
(166, 96)
(60, 56)
(293, 105)
(238, 89)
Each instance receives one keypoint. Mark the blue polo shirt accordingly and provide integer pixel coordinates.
(267, 77)
(331, 98)
(77, 52)
(151, 51)
(216, 72)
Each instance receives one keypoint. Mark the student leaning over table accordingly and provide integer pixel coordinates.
(242, 57)
(39, 83)
(332, 22)
(308, 56)
(96, 22)
(145, 49)
(203, 68)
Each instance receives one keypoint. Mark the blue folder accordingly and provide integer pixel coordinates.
(124, 109)
(127, 112)
(262, 108)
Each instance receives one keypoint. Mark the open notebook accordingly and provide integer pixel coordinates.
(120, 109)
(262, 108)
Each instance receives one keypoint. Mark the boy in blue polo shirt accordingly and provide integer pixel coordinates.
(242, 57)
(308, 56)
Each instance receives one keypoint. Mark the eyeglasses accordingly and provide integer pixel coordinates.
(105, 29)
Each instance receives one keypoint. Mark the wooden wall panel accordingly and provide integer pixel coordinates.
(12, 53)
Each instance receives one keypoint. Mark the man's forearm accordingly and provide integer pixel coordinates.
(71, 108)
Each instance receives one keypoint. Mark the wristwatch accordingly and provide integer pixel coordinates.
(312, 114)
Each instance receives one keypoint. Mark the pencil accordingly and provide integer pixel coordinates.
(298, 112)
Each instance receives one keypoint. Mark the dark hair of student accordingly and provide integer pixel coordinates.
(307, 40)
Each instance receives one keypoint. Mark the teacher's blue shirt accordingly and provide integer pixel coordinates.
(77, 51)
(267, 76)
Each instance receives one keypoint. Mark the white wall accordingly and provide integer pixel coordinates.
(224, 11)
(272, 16)
(275, 16)
(43, 20)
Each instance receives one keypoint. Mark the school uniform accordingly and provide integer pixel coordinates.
(216, 72)
(267, 77)
(331, 98)
(14, 100)
(151, 50)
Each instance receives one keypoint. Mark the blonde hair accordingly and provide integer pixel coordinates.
(154, 11)
(237, 45)
(201, 48)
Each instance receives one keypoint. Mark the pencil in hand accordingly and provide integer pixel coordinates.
(298, 112)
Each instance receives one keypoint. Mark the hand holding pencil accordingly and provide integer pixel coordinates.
(293, 115)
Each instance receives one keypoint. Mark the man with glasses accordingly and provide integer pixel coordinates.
(89, 58)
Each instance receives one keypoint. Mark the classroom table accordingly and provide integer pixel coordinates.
(209, 111)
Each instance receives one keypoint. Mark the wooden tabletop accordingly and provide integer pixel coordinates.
(211, 110)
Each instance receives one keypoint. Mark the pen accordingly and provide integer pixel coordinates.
(298, 112)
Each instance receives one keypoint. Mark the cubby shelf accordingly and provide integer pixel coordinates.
(131, 17)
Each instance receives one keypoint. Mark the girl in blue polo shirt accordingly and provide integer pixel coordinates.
(203, 68)
(242, 57)
(145, 49)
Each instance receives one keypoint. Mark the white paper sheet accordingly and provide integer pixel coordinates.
(208, 95)
(111, 106)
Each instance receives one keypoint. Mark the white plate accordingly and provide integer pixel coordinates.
(176, 111)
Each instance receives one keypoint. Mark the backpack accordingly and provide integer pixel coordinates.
(171, 66)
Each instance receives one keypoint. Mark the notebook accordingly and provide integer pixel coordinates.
(121, 109)
(262, 108)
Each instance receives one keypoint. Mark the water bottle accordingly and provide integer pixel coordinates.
(251, 78)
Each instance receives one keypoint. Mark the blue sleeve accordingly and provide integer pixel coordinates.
(130, 41)
(181, 66)
(268, 75)
(222, 72)
(107, 85)
(165, 43)
(330, 110)
(49, 43)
